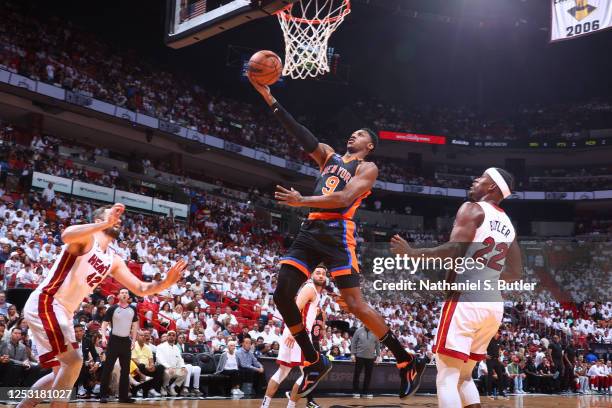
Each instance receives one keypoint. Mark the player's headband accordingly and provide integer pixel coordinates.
(499, 180)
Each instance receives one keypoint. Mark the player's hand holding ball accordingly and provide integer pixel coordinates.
(264, 69)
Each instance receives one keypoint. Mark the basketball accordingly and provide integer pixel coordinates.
(265, 67)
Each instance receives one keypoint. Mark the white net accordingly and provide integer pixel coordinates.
(307, 26)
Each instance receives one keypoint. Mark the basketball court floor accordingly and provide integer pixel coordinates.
(430, 401)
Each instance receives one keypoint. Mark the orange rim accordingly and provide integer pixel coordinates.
(285, 13)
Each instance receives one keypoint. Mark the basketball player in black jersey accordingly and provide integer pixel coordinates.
(328, 236)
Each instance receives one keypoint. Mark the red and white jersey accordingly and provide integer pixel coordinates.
(293, 356)
(311, 309)
(73, 278)
(491, 245)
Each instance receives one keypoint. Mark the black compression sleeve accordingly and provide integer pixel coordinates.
(308, 141)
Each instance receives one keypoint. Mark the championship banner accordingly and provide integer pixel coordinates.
(575, 18)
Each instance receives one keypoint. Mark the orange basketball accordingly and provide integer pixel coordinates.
(265, 67)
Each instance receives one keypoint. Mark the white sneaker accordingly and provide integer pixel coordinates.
(82, 391)
(164, 391)
(96, 389)
(172, 392)
(369, 396)
(154, 393)
(139, 393)
(356, 395)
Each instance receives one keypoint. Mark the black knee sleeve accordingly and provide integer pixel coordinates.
(288, 284)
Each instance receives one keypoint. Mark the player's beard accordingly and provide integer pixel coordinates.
(318, 283)
(112, 232)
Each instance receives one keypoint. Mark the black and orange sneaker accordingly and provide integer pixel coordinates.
(411, 374)
(313, 374)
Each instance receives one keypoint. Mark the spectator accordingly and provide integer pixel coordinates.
(48, 194)
(556, 353)
(580, 371)
(142, 356)
(569, 361)
(516, 374)
(482, 374)
(193, 372)
(228, 315)
(494, 367)
(14, 358)
(199, 346)
(91, 363)
(184, 322)
(26, 277)
(365, 350)
(251, 370)
(548, 374)
(12, 266)
(169, 356)
(4, 305)
(218, 343)
(228, 365)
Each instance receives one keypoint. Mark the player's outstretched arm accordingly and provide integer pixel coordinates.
(125, 277)
(319, 152)
(80, 236)
(469, 217)
(358, 186)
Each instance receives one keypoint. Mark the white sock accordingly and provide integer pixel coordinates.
(266, 402)
(291, 404)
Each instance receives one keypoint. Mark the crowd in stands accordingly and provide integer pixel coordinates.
(59, 53)
(583, 269)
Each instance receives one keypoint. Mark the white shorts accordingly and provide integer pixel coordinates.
(51, 327)
(466, 328)
(289, 357)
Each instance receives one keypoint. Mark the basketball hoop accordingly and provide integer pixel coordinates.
(307, 29)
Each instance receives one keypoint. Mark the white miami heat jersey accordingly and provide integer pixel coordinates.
(293, 357)
(309, 314)
(491, 245)
(73, 278)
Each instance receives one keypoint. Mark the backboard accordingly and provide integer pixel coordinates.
(190, 21)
